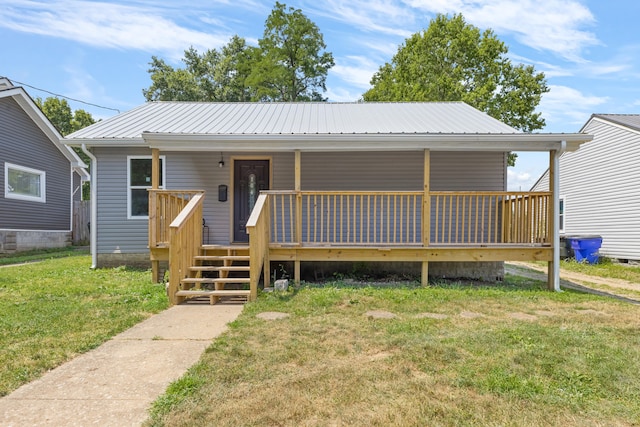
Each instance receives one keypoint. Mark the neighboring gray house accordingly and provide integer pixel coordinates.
(600, 185)
(39, 176)
(392, 161)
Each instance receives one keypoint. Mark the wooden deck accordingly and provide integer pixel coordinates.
(301, 226)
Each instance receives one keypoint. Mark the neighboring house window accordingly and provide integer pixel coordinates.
(561, 214)
(139, 175)
(24, 183)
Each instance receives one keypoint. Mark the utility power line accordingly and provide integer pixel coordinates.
(63, 96)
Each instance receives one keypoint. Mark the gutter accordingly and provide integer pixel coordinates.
(94, 206)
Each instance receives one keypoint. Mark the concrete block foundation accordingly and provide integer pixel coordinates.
(26, 240)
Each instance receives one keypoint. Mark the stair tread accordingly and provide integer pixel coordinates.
(226, 247)
(226, 292)
(215, 280)
(223, 257)
(218, 268)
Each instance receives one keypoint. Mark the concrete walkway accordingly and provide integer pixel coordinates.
(114, 384)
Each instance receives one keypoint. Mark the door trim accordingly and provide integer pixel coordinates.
(232, 189)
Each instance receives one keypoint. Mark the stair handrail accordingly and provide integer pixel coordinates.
(185, 240)
(258, 227)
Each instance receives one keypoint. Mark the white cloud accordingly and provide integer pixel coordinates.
(355, 70)
(377, 16)
(567, 105)
(342, 94)
(106, 25)
(552, 25)
(519, 180)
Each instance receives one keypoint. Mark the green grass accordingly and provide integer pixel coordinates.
(39, 255)
(57, 308)
(510, 354)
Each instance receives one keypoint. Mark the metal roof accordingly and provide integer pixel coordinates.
(629, 120)
(325, 118)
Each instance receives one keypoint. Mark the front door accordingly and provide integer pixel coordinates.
(250, 177)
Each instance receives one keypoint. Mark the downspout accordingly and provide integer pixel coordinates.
(94, 206)
(556, 210)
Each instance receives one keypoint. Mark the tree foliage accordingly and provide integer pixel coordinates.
(454, 61)
(293, 63)
(62, 117)
(216, 75)
(67, 121)
(290, 64)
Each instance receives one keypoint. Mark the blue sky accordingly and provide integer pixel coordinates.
(99, 52)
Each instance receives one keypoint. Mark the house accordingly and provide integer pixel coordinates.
(40, 176)
(205, 185)
(599, 186)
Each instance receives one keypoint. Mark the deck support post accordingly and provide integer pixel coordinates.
(297, 188)
(553, 271)
(426, 215)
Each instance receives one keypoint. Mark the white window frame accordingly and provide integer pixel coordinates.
(562, 213)
(138, 187)
(43, 183)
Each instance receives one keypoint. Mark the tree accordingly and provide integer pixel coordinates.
(216, 75)
(293, 63)
(290, 64)
(60, 115)
(453, 61)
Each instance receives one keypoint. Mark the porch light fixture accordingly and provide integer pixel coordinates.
(221, 162)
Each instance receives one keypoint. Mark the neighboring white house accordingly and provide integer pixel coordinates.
(600, 185)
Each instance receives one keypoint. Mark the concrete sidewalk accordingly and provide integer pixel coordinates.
(114, 384)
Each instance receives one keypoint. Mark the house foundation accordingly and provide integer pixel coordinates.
(26, 240)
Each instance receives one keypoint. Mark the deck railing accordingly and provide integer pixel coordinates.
(526, 218)
(185, 241)
(396, 218)
(164, 207)
(345, 218)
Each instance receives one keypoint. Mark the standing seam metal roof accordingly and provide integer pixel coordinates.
(294, 118)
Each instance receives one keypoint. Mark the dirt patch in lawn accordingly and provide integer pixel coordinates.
(604, 286)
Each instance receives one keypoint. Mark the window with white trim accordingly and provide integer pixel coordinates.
(139, 181)
(24, 183)
(561, 214)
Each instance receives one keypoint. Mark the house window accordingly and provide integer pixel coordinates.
(24, 183)
(139, 176)
(561, 215)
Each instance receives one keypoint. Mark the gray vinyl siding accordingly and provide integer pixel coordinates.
(23, 143)
(184, 171)
(401, 171)
(116, 233)
(600, 185)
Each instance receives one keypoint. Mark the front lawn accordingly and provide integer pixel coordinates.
(50, 311)
(454, 355)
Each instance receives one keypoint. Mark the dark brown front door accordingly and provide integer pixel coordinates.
(250, 177)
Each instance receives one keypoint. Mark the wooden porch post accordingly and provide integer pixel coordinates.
(297, 188)
(155, 184)
(426, 214)
(553, 271)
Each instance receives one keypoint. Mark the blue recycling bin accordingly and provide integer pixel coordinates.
(585, 248)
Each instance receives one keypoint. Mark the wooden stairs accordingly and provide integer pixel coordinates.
(219, 271)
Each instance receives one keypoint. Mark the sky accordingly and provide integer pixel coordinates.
(98, 52)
